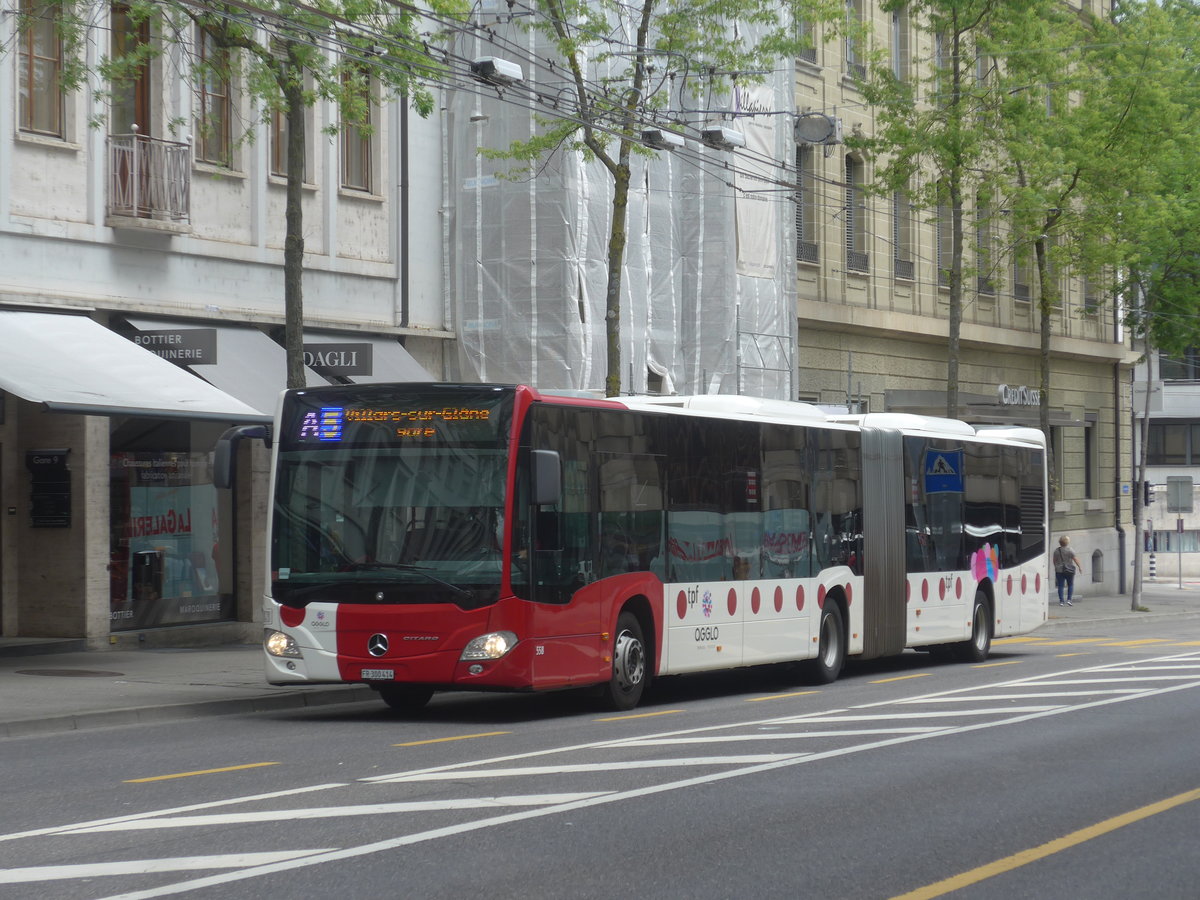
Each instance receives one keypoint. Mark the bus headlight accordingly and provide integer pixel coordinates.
(490, 646)
(277, 643)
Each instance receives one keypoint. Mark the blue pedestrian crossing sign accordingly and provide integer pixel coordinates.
(943, 471)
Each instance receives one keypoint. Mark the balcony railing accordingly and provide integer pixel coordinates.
(857, 262)
(149, 178)
(904, 268)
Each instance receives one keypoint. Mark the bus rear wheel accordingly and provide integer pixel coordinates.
(629, 670)
(979, 645)
(405, 698)
(831, 648)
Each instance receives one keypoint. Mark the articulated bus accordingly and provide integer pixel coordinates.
(429, 537)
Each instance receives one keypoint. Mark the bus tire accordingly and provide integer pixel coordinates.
(831, 648)
(405, 698)
(979, 645)
(629, 670)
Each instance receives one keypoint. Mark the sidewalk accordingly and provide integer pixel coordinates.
(69, 689)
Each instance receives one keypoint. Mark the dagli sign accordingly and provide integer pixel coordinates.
(1019, 396)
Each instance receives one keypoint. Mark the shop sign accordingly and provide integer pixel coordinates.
(339, 358)
(50, 494)
(182, 346)
(1019, 396)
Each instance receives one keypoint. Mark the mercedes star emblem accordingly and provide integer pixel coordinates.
(377, 644)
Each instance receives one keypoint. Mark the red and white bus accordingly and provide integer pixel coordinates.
(432, 537)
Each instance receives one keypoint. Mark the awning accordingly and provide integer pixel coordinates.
(239, 360)
(70, 363)
(361, 358)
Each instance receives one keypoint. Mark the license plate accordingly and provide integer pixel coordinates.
(379, 674)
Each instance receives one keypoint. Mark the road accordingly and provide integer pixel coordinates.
(1064, 766)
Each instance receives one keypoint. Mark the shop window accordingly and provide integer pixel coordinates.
(171, 530)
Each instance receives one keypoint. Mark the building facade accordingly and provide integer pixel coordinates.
(873, 302)
(141, 295)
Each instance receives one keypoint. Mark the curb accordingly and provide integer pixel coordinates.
(153, 715)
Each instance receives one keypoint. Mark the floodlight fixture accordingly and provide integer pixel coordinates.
(661, 139)
(495, 70)
(722, 137)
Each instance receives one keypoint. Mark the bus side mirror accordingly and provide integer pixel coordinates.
(225, 452)
(547, 478)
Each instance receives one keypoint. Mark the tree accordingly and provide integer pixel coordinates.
(288, 57)
(656, 55)
(1159, 212)
(934, 138)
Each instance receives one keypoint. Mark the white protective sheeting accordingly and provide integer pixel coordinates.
(73, 364)
(708, 280)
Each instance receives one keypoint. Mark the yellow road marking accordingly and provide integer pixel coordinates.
(780, 696)
(1019, 640)
(457, 737)
(1009, 863)
(1064, 655)
(661, 712)
(199, 772)
(1007, 662)
(1075, 641)
(901, 678)
(1137, 643)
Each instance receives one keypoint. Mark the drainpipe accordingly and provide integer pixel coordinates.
(404, 286)
(1121, 536)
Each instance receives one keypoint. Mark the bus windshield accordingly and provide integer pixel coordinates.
(392, 496)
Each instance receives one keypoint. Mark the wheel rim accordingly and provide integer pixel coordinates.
(830, 642)
(629, 662)
(981, 627)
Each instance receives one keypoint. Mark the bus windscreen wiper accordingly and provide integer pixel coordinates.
(409, 567)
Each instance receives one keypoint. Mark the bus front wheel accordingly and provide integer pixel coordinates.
(629, 671)
(831, 648)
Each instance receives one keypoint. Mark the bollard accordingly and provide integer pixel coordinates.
(1153, 570)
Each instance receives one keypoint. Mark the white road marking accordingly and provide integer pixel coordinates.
(215, 804)
(597, 767)
(330, 812)
(774, 736)
(147, 866)
(1024, 696)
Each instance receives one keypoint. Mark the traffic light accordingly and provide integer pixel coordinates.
(1147, 493)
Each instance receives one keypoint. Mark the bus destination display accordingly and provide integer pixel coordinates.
(328, 424)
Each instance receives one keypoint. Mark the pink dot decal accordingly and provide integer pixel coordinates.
(778, 599)
(1024, 584)
(849, 595)
(1037, 584)
(924, 590)
(958, 588)
(941, 589)
(731, 601)
(1010, 584)
(755, 600)
(821, 597)
(908, 592)
(681, 604)
(800, 598)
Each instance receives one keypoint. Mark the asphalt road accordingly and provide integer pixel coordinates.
(1064, 766)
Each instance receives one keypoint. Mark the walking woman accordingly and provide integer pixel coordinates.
(1066, 564)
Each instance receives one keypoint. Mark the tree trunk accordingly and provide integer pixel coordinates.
(293, 247)
(616, 258)
(1047, 295)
